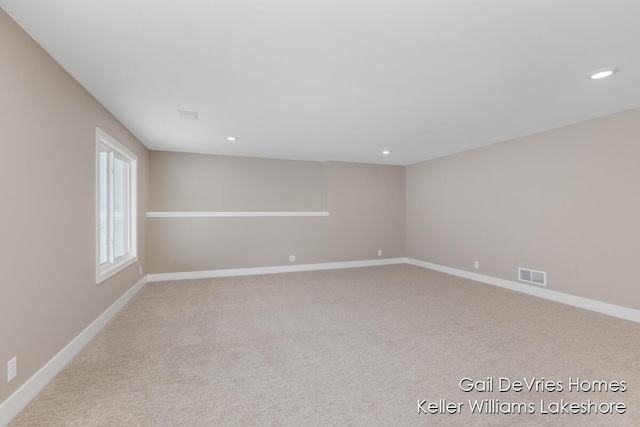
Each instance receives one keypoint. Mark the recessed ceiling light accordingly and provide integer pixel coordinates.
(601, 73)
(232, 138)
(188, 115)
(385, 152)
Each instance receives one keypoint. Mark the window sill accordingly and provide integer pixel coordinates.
(114, 269)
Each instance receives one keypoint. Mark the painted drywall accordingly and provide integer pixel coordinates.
(48, 293)
(193, 182)
(566, 201)
(366, 205)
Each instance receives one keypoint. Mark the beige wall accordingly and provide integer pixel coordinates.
(565, 201)
(366, 205)
(196, 182)
(48, 293)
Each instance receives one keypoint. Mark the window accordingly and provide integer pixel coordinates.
(116, 202)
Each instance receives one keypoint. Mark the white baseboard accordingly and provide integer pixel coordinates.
(588, 304)
(585, 303)
(18, 400)
(271, 270)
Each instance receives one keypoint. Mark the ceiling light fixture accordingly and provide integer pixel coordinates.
(188, 115)
(385, 152)
(232, 138)
(601, 73)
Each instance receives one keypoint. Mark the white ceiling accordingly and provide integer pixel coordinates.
(343, 79)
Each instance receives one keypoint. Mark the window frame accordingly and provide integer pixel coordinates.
(104, 142)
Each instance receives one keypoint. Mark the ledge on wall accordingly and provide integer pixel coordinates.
(229, 214)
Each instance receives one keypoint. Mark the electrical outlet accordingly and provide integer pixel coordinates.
(292, 258)
(476, 264)
(12, 369)
(379, 252)
(140, 269)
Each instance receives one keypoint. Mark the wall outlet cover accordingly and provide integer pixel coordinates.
(12, 369)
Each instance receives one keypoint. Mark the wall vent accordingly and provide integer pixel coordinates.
(532, 276)
(188, 115)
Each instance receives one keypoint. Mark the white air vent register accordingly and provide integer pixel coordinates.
(532, 276)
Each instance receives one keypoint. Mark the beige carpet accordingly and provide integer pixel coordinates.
(355, 347)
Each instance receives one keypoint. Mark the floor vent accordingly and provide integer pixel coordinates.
(532, 276)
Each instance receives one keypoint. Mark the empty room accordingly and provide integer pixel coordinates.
(330, 213)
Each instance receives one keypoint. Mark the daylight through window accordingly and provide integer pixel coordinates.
(116, 206)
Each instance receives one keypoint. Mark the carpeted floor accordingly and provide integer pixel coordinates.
(359, 347)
